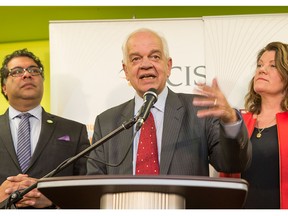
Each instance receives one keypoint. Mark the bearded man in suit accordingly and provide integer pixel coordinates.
(53, 139)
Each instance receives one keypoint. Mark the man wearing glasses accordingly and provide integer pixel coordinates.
(50, 139)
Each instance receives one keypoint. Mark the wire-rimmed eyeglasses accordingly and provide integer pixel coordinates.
(19, 71)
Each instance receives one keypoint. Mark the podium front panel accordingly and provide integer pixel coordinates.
(77, 192)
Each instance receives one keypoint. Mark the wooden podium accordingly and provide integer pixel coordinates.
(144, 192)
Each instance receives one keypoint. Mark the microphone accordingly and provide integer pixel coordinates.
(150, 98)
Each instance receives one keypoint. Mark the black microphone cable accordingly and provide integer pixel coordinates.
(121, 161)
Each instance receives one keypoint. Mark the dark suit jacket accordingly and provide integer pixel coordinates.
(50, 150)
(189, 143)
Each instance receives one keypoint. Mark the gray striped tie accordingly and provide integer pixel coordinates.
(24, 144)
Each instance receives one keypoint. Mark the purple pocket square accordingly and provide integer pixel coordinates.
(64, 138)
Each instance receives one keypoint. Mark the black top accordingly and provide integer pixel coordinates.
(263, 174)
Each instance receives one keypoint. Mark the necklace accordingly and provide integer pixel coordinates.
(259, 134)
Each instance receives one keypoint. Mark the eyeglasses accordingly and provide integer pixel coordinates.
(19, 71)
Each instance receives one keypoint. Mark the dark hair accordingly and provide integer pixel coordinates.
(252, 99)
(18, 53)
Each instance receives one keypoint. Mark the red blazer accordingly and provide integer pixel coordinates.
(282, 128)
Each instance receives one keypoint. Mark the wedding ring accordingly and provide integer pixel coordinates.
(215, 102)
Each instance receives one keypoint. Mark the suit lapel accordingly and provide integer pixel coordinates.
(48, 125)
(8, 141)
(125, 139)
(173, 116)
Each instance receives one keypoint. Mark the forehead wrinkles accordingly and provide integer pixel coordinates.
(142, 41)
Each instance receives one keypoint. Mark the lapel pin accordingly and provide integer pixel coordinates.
(49, 121)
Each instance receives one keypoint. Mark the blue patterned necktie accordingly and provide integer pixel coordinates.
(24, 143)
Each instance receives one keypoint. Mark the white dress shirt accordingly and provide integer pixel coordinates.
(35, 125)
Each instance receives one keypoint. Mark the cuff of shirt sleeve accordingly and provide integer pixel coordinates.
(233, 129)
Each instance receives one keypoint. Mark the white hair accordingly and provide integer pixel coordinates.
(163, 41)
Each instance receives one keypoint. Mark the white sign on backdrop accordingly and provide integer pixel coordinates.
(86, 63)
(231, 47)
(86, 76)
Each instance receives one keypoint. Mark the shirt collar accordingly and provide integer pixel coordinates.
(36, 112)
(160, 104)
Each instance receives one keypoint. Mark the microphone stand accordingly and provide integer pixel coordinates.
(17, 195)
